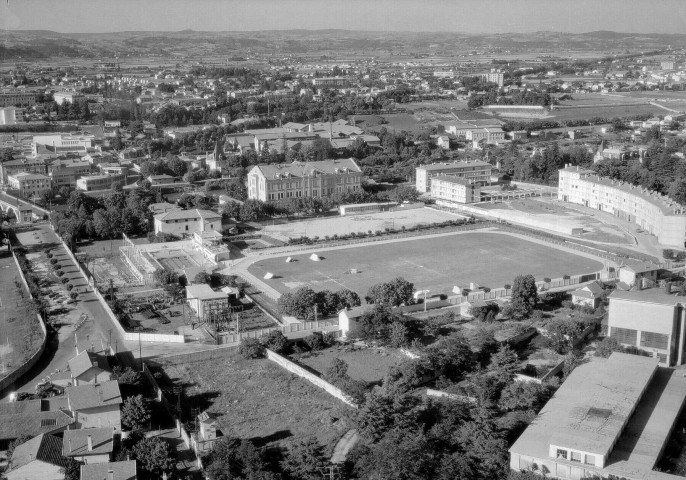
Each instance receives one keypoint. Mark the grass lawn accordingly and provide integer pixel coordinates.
(490, 259)
(368, 364)
(20, 333)
(259, 400)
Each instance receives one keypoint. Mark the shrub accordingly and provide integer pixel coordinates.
(70, 286)
(568, 304)
(53, 261)
(565, 277)
(59, 273)
(65, 280)
(251, 348)
(73, 295)
(315, 341)
(277, 342)
(546, 280)
(507, 286)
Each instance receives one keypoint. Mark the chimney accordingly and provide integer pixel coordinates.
(90, 443)
(70, 450)
(100, 395)
(110, 475)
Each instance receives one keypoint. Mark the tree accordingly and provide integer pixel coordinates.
(524, 296)
(252, 210)
(394, 293)
(504, 362)
(337, 370)
(277, 342)
(305, 460)
(606, 346)
(235, 459)
(251, 348)
(524, 396)
(135, 414)
(153, 455)
(126, 375)
(22, 438)
(299, 303)
(72, 469)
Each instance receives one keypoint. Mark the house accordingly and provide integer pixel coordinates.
(95, 405)
(99, 182)
(65, 172)
(186, 222)
(89, 445)
(125, 470)
(611, 418)
(633, 272)
(161, 207)
(208, 433)
(87, 367)
(588, 295)
(651, 321)
(348, 318)
(304, 179)
(33, 418)
(39, 458)
(206, 302)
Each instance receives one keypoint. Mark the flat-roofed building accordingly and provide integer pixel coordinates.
(475, 171)
(17, 97)
(63, 143)
(303, 179)
(67, 171)
(68, 97)
(331, 82)
(11, 115)
(99, 182)
(611, 417)
(653, 212)
(454, 189)
(29, 184)
(651, 321)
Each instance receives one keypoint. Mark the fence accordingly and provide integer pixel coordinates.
(12, 377)
(311, 377)
(290, 330)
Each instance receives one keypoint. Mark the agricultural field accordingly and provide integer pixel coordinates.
(489, 258)
(20, 333)
(258, 400)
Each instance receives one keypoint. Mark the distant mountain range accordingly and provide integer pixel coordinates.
(42, 44)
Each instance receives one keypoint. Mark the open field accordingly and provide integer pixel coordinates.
(20, 333)
(321, 227)
(490, 259)
(367, 364)
(259, 400)
(605, 111)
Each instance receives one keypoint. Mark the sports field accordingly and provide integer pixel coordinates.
(490, 259)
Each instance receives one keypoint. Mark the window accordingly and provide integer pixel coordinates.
(562, 453)
(624, 335)
(575, 457)
(589, 459)
(655, 340)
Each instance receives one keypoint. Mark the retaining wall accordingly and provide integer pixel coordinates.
(10, 379)
(311, 377)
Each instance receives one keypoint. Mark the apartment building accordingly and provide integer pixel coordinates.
(99, 182)
(68, 97)
(65, 172)
(303, 179)
(651, 211)
(454, 189)
(494, 76)
(11, 115)
(28, 165)
(63, 143)
(29, 184)
(331, 82)
(14, 98)
(475, 171)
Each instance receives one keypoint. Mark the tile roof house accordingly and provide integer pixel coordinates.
(39, 458)
(87, 367)
(125, 470)
(89, 445)
(32, 418)
(347, 318)
(588, 295)
(96, 405)
(187, 222)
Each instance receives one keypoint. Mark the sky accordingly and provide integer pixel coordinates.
(468, 16)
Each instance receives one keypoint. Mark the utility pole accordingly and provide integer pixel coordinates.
(331, 472)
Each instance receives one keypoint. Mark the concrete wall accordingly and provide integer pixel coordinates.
(9, 380)
(311, 377)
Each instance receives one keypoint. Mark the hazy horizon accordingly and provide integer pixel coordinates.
(445, 16)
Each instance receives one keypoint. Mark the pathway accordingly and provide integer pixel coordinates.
(344, 445)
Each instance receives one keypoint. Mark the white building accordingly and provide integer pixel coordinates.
(63, 143)
(11, 115)
(29, 184)
(454, 189)
(475, 171)
(187, 222)
(99, 182)
(655, 213)
(69, 97)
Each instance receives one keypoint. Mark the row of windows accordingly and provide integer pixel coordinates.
(654, 340)
(577, 457)
(626, 336)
